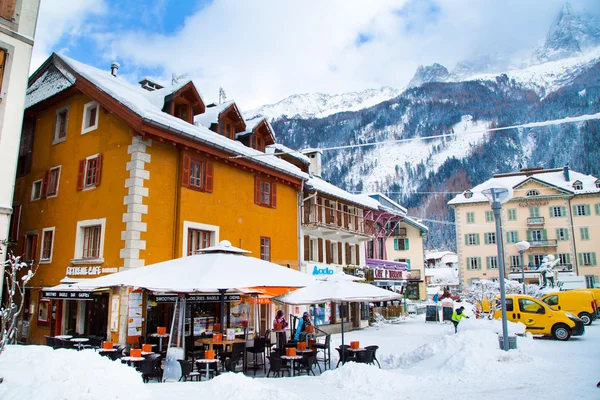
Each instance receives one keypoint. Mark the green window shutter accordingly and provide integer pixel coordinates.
(485, 238)
(587, 210)
(396, 244)
(580, 259)
(568, 258)
(408, 263)
(516, 236)
(544, 235)
(466, 239)
(477, 238)
(597, 208)
(593, 259)
(558, 231)
(531, 260)
(478, 262)
(551, 212)
(468, 263)
(574, 211)
(563, 211)
(529, 236)
(487, 262)
(406, 244)
(567, 234)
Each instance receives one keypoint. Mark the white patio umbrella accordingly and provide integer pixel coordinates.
(337, 288)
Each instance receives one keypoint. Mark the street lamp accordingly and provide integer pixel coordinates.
(498, 196)
(522, 246)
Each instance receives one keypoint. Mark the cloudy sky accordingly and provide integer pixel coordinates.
(261, 51)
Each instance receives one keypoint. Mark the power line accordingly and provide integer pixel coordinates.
(437, 221)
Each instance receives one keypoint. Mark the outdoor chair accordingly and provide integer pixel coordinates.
(67, 344)
(151, 368)
(187, 371)
(238, 351)
(191, 350)
(58, 343)
(95, 342)
(255, 350)
(231, 363)
(308, 360)
(290, 344)
(277, 367)
(326, 348)
(348, 355)
(114, 355)
(374, 348)
(213, 370)
(365, 357)
(49, 341)
(268, 343)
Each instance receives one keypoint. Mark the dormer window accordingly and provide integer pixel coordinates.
(182, 111)
(257, 143)
(532, 192)
(226, 129)
(598, 183)
(468, 194)
(577, 185)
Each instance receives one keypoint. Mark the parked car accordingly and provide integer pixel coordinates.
(579, 302)
(540, 319)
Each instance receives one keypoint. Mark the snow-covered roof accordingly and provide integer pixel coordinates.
(437, 255)
(551, 177)
(322, 186)
(51, 82)
(311, 150)
(416, 223)
(211, 116)
(136, 99)
(386, 203)
(157, 97)
(279, 148)
(252, 124)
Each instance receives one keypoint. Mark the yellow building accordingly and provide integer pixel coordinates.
(114, 176)
(556, 210)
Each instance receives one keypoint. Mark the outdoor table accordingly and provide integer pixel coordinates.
(207, 362)
(160, 337)
(293, 360)
(211, 342)
(304, 351)
(130, 360)
(107, 350)
(79, 341)
(64, 337)
(145, 353)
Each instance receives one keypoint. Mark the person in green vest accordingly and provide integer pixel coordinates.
(457, 315)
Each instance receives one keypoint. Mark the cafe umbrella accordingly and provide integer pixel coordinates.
(339, 288)
(221, 268)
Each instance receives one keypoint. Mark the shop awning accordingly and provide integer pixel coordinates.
(266, 293)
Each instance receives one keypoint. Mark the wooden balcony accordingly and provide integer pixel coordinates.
(338, 220)
(397, 232)
(535, 221)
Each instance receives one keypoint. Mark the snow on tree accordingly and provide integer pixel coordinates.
(485, 292)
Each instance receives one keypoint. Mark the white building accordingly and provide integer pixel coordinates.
(17, 28)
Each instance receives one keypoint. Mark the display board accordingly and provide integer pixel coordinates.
(431, 314)
(447, 313)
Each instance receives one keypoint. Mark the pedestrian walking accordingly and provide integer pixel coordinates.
(457, 315)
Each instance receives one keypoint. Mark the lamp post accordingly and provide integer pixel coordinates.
(522, 246)
(497, 196)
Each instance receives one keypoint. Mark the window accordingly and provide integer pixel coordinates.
(530, 306)
(515, 261)
(15, 220)
(473, 263)
(472, 239)
(47, 245)
(257, 143)
(597, 208)
(489, 216)
(598, 183)
(556, 212)
(581, 210)
(265, 192)
(585, 233)
(89, 242)
(577, 185)
(89, 172)
(468, 194)
(536, 235)
(590, 281)
(512, 214)
(36, 190)
(534, 212)
(537, 259)
(587, 259)
(53, 177)
(512, 237)
(90, 117)
(197, 174)
(197, 239)
(60, 125)
(311, 250)
(380, 247)
(29, 249)
(370, 247)
(265, 248)
(182, 111)
(490, 238)
(470, 218)
(492, 262)
(564, 259)
(3, 59)
(401, 244)
(562, 234)
(551, 301)
(532, 192)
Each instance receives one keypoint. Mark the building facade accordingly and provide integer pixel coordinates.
(556, 210)
(18, 20)
(120, 176)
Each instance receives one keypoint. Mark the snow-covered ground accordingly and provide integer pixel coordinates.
(419, 361)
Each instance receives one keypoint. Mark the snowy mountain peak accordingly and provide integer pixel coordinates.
(319, 105)
(569, 35)
(480, 64)
(429, 73)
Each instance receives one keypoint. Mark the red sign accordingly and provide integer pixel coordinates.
(388, 274)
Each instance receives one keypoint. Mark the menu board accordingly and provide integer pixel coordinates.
(114, 313)
(134, 321)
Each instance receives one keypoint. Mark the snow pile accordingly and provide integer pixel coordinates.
(39, 372)
(358, 379)
(230, 386)
(493, 325)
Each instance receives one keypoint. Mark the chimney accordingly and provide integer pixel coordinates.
(114, 67)
(566, 172)
(314, 156)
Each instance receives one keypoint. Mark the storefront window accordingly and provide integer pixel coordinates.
(321, 313)
(412, 291)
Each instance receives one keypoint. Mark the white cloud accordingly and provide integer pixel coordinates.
(60, 18)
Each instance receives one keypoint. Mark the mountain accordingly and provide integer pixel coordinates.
(430, 73)
(480, 64)
(569, 35)
(319, 105)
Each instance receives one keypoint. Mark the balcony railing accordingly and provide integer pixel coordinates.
(414, 274)
(559, 268)
(535, 221)
(543, 243)
(397, 232)
(317, 214)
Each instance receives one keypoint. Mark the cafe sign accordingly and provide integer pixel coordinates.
(92, 270)
(211, 298)
(388, 274)
(63, 295)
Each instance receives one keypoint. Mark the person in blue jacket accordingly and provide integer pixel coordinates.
(301, 328)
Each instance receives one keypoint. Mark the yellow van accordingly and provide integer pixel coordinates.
(539, 319)
(579, 302)
(596, 293)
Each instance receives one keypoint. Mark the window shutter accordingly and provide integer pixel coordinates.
(544, 235)
(516, 236)
(34, 241)
(597, 208)
(257, 190)
(408, 264)
(339, 252)
(14, 223)
(487, 262)
(98, 170)
(328, 253)
(551, 212)
(81, 174)
(320, 243)
(208, 177)
(306, 247)
(357, 248)
(528, 236)
(396, 243)
(531, 260)
(486, 238)
(477, 238)
(45, 182)
(466, 239)
(273, 195)
(568, 258)
(587, 210)
(580, 259)
(348, 255)
(478, 262)
(185, 170)
(574, 211)
(7, 9)
(593, 259)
